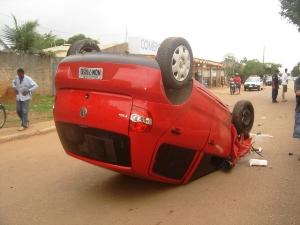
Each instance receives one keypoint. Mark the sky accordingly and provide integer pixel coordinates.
(245, 28)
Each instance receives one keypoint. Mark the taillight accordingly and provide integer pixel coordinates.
(140, 120)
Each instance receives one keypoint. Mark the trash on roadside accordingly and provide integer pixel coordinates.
(258, 162)
(259, 150)
(290, 153)
(261, 135)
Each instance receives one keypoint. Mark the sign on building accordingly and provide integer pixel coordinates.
(140, 45)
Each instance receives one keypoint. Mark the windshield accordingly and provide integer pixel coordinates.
(253, 79)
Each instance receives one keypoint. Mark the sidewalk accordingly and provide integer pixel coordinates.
(12, 133)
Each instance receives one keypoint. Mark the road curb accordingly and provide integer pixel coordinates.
(28, 134)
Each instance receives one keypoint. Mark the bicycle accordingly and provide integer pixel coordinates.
(2, 115)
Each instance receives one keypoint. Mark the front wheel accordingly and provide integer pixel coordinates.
(2, 116)
(243, 117)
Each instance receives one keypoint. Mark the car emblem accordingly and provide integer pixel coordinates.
(83, 112)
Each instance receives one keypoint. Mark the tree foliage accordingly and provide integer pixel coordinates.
(231, 64)
(77, 37)
(59, 42)
(45, 41)
(296, 70)
(290, 9)
(270, 67)
(25, 38)
(20, 38)
(253, 67)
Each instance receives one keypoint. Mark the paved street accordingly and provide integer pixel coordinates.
(40, 184)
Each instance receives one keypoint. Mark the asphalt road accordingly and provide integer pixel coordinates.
(40, 184)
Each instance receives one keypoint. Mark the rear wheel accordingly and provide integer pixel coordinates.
(243, 117)
(2, 116)
(175, 59)
(83, 45)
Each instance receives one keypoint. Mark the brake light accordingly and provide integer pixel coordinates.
(140, 120)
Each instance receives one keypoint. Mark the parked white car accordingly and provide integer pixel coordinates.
(253, 82)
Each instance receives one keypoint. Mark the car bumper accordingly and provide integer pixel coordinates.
(252, 87)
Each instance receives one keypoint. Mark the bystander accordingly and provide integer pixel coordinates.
(284, 80)
(275, 86)
(23, 86)
(296, 133)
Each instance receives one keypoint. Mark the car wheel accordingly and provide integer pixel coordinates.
(243, 116)
(259, 88)
(175, 59)
(86, 45)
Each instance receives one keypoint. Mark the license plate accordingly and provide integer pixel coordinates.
(90, 73)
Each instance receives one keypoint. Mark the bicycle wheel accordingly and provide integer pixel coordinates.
(2, 116)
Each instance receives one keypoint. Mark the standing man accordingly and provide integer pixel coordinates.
(23, 86)
(275, 86)
(296, 133)
(237, 80)
(284, 78)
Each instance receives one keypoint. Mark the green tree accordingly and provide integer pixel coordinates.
(20, 38)
(45, 41)
(77, 37)
(253, 67)
(25, 38)
(296, 70)
(59, 42)
(244, 60)
(290, 9)
(231, 64)
(271, 67)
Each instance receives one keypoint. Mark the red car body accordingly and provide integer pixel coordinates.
(119, 117)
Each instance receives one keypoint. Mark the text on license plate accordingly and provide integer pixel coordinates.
(90, 73)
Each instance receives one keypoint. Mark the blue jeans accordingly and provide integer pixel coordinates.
(296, 133)
(22, 111)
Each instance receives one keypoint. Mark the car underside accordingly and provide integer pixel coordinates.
(144, 117)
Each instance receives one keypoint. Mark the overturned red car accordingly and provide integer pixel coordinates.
(146, 117)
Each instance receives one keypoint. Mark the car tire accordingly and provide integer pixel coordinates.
(175, 59)
(243, 117)
(259, 88)
(86, 45)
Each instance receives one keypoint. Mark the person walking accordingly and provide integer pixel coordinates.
(237, 80)
(23, 86)
(264, 80)
(296, 133)
(284, 80)
(275, 86)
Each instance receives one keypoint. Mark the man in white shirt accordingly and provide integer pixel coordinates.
(284, 78)
(23, 86)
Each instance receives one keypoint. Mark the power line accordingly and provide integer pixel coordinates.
(98, 35)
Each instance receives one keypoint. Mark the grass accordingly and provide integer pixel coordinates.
(40, 110)
(38, 104)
